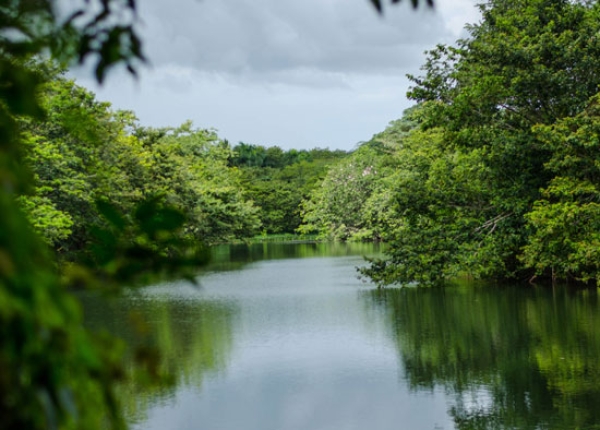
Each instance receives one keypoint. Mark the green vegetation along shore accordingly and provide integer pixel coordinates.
(494, 173)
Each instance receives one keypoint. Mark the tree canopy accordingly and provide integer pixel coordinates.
(497, 179)
(493, 173)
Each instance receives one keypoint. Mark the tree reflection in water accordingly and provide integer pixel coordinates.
(178, 339)
(511, 357)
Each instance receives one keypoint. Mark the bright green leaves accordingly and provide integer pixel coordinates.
(63, 151)
(566, 238)
(525, 63)
(337, 209)
(436, 206)
(277, 181)
(575, 143)
(83, 152)
(190, 169)
(50, 223)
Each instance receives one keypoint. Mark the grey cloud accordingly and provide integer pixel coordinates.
(240, 37)
(296, 73)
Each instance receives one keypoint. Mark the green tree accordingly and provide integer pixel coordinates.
(565, 221)
(282, 180)
(526, 64)
(190, 168)
(437, 203)
(248, 155)
(63, 152)
(355, 199)
(335, 209)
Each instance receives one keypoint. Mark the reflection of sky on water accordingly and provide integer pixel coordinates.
(273, 400)
(301, 343)
(307, 354)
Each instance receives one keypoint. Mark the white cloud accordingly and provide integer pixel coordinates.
(457, 13)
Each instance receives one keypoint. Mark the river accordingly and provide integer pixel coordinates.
(286, 337)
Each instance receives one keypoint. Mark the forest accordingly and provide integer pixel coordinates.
(494, 173)
(92, 166)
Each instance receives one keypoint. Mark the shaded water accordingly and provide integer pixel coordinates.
(284, 336)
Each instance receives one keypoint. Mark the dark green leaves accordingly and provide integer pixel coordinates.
(415, 3)
(154, 218)
(148, 246)
(111, 214)
(512, 189)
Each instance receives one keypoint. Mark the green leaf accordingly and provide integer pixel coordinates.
(111, 214)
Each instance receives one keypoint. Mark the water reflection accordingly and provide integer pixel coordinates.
(509, 357)
(293, 340)
(179, 341)
(235, 257)
(306, 355)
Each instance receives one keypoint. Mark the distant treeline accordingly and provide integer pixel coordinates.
(278, 181)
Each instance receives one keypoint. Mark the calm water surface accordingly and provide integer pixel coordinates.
(285, 336)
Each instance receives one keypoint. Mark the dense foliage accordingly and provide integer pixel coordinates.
(351, 202)
(53, 372)
(498, 176)
(493, 174)
(83, 153)
(278, 181)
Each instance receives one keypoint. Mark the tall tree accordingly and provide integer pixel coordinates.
(527, 63)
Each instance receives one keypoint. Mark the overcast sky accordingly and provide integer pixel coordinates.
(293, 73)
